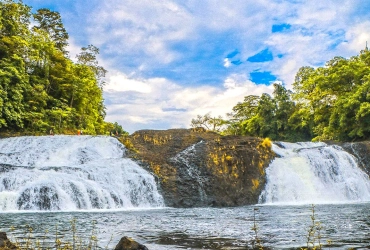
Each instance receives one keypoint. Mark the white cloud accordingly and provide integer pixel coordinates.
(73, 49)
(120, 82)
(141, 38)
(319, 32)
(172, 105)
(227, 62)
(140, 27)
(236, 87)
(357, 36)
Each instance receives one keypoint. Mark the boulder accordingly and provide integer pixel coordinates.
(127, 243)
(5, 243)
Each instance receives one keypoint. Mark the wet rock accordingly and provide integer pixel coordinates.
(40, 198)
(5, 243)
(127, 243)
(196, 168)
(361, 150)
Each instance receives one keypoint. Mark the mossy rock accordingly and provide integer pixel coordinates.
(216, 170)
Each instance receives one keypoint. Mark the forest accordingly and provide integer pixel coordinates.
(41, 87)
(326, 103)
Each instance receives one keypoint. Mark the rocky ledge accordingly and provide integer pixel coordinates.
(196, 168)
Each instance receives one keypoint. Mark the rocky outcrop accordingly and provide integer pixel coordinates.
(127, 243)
(199, 168)
(361, 150)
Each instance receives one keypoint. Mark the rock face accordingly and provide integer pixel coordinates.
(197, 168)
(361, 150)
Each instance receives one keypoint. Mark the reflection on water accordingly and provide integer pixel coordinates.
(280, 227)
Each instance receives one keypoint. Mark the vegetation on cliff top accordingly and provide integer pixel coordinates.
(41, 88)
(327, 103)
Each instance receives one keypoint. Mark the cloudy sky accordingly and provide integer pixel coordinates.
(169, 60)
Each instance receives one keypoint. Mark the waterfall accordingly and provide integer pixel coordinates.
(314, 173)
(188, 158)
(71, 173)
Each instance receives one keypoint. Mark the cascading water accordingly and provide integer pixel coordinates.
(188, 158)
(314, 173)
(71, 173)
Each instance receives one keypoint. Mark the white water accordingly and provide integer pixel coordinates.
(185, 157)
(314, 173)
(72, 173)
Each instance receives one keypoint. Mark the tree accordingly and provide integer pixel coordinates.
(51, 22)
(215, 124)
(284, 110)
(14, 22)
(336, 96)
(264, 121)
(88, 57)
(14, 19)
(266, 116)
(240, 112)
(12, 85)
(40, 87)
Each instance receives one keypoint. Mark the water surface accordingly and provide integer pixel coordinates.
(279, 227)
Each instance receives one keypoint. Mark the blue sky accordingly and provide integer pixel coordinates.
(169, 61)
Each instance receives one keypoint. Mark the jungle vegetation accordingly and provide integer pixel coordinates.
(331, 102)
(41, 88)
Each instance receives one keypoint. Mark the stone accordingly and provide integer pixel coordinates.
(5, 243)
(361, 150)
(199, 168)
(127, 243)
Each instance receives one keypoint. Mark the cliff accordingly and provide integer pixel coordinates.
(199, 168)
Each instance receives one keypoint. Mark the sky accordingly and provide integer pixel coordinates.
(171, 60)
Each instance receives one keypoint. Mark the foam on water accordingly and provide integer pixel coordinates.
(314, 173)
(71, 173)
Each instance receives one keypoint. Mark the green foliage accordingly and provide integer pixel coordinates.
(327, 103)
(40, 87)
(214, 124)
(51, 22)
(116, 129)
(267, 116)
(88, 57)
(337, 96)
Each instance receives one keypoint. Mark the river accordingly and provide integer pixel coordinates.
(279, 227)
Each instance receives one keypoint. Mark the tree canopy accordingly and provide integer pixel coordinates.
(41, 88)
(327, 103)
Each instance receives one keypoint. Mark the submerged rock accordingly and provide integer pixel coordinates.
(127, 243)
(196, 168)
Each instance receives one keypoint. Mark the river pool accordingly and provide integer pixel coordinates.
(279, 227)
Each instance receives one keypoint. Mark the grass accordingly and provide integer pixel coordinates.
(313, 233)
(45, 242)
(257, 242)
(30, 242)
